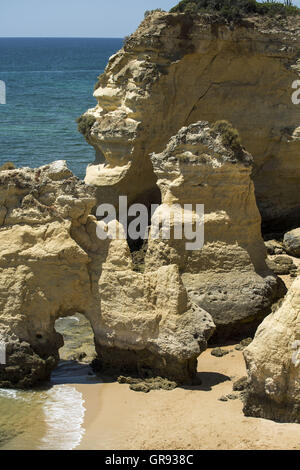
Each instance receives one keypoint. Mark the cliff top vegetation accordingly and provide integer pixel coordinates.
(234, 9)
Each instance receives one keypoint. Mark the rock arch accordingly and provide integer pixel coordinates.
(52, 264)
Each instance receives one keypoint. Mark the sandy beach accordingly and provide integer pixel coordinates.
(185, 418)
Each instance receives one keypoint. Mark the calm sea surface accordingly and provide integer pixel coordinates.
(49, 84)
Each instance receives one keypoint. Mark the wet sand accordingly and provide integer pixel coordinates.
(185, 418)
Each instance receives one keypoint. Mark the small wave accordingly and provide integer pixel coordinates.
(22, 395)
(66, 320)
(64, 413)
(75, 319)
(16, 394)
(9, 393)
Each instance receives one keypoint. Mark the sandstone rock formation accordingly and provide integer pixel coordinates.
(52, 264)
(228, 277)
(176, 70)
(43, 271)
(292, 242)
(273, 361)
(148, 325)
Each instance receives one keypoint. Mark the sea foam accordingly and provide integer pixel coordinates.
(64, 414)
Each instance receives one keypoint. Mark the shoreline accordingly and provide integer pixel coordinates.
(184, 418)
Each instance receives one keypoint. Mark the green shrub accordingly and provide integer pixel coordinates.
(191, 8)
(230, 135)
(125, 40)
(148, 12)
(7, 166)
(85, 124)
(234, 9)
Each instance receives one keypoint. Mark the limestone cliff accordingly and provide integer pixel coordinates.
(43, 271)
(273, 361)
(176, 70)
(52, 264)
(148, 325)
(155, 142)
(228, 276)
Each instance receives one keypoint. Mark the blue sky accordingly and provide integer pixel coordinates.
(75, 18)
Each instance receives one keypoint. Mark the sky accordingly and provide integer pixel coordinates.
(76, 18)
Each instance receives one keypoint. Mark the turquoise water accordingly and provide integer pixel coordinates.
(49, 83)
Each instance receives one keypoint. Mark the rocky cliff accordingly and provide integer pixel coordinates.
(52, 265)
(155, 142)
(43, 271)
(273, 361)
(228, 275)
(148, 325)
(176, 70)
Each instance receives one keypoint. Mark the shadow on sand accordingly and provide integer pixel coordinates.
(205, 381)
(73, 372)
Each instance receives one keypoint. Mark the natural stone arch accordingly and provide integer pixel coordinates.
(53, 265)
(78, 338)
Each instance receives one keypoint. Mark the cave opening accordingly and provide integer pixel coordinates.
(78, 350)
(138, 248)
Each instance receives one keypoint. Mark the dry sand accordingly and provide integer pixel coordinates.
(185, 418)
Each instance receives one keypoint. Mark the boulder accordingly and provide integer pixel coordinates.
(281, 264)
(274, 247)
(292, 242)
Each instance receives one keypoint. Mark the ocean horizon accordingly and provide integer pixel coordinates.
(49, 83)
(58, 37)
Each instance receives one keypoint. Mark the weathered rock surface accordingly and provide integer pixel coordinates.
(281, 264)
(240, 385)
(292, 242)
(176, 70)
(43, 271)
(228, 277)
(274, 247)
(148, 325)
(52, 264)
(273, 362)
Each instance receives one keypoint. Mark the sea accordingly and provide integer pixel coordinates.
(49, 83)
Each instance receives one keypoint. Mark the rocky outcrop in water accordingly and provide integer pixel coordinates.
(228, 276)
(273, 361)
(176, 70)
(52, 264)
